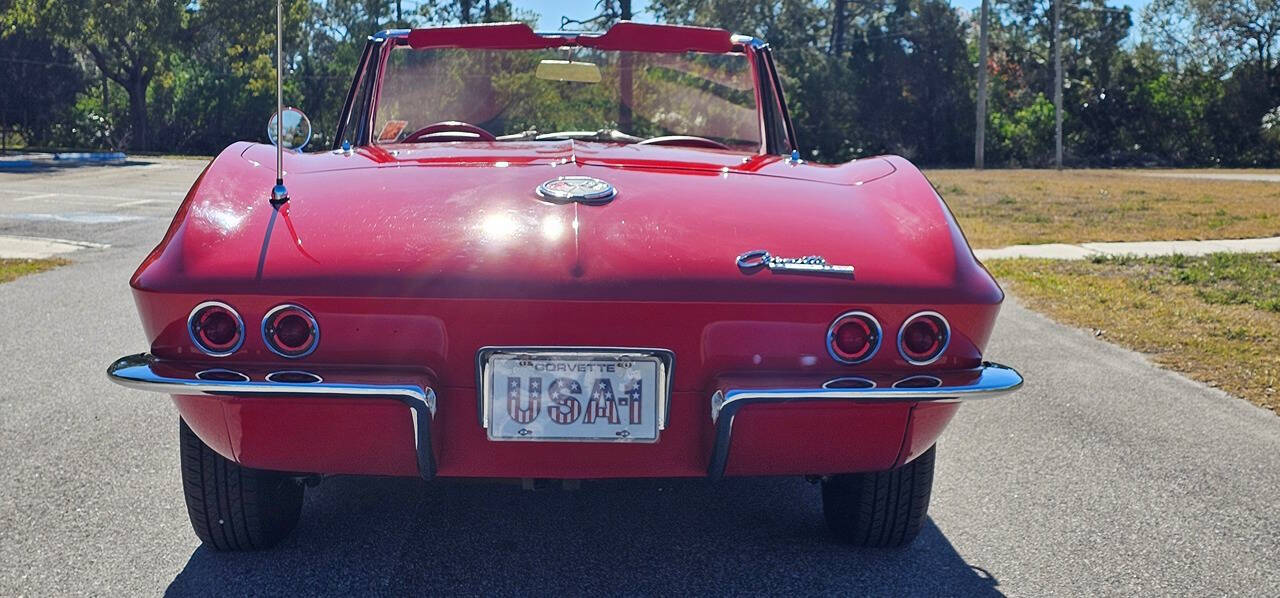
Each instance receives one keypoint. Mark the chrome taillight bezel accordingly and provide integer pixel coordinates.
(840, 319)
(942, 350)
(301, 311)
(195, 338)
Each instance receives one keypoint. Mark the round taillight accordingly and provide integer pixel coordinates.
(215, 328)
(923, 337)
(290, 331)
(853, 337)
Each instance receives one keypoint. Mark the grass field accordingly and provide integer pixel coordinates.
(1011, 207)
(1215, 318)
(12, 269)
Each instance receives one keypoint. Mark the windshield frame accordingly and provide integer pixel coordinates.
(355, 124)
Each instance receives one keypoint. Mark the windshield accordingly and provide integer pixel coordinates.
(563, 93)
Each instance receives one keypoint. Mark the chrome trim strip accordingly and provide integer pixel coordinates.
(831, 334)
(903, 328)
(747, 40)
(934, 381)
(993, 380)
(135, 371)
(201, 375)
(239, 324)
(388, 33)
(315, 330)
(665, 356)
(834, 383)
(314, 378)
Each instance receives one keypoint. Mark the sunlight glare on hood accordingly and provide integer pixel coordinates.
(224, 218)
(552, 228)
(498, 227)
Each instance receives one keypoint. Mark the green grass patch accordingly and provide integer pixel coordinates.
(1215, 318)
(12, 269)
(1011, 207)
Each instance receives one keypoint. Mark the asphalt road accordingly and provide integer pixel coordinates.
(1105, 475)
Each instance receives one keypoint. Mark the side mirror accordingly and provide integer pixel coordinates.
(297, 129)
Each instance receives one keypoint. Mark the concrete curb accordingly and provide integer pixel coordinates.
(32, 161)
(1063, 251)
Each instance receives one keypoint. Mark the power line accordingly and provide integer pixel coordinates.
(40, 62)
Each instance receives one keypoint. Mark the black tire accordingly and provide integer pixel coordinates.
(883, 509)
(233, 507)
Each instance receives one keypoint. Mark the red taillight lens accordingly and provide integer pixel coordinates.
(293, 332)
(924, 337)
(290, 331)
(215, 328)
(853, 337)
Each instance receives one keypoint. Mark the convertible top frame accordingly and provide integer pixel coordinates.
(355, 123)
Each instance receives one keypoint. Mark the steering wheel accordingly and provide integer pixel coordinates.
(685, 140)
(449, 130)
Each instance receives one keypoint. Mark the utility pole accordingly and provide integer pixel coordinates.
(980, 128)
(1057, 84)
(399, 21)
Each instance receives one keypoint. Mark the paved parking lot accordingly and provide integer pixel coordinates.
(1105, 475)
(93, 203)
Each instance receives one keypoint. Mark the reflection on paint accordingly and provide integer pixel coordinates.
(499, 227)
(224, 218)
(552, 228)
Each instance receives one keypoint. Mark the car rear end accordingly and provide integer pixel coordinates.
(425, 387)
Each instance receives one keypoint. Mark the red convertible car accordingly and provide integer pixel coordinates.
(562, 256)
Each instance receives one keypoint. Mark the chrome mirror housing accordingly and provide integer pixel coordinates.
(295, 129)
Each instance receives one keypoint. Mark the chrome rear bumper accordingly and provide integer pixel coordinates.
(987, 381)
(145, 372)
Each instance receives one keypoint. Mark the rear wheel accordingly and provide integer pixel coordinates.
(882, 509)
(233, 507)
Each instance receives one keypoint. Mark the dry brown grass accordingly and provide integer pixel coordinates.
(1010, 207)
(1215, 318)
(11, 269)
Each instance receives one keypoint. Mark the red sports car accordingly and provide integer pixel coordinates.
(562, 256)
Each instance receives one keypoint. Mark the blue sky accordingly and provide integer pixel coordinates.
(551, 10)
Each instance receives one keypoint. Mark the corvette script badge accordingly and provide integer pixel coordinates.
(809, 264)
(584, 189)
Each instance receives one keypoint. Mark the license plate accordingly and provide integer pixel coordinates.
(574, 396)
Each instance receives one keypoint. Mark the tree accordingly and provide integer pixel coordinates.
(1231, 47)
(1228, 32)
(468, 11)
(50, 79)
(223, 87)
(126, 40)
(1021, 46)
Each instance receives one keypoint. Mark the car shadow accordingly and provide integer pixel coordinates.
(737, 536)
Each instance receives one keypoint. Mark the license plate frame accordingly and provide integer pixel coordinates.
(663, 360)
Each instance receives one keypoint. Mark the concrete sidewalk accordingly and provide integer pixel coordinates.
(1063, 251)
(36, 248)
(1259, 177)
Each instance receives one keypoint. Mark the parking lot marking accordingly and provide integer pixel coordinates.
(63, 194)
(36, 196)
(138, 202)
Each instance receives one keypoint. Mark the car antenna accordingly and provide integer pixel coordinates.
(279, 194)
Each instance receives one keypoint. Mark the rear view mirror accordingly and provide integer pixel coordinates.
(567, 70)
